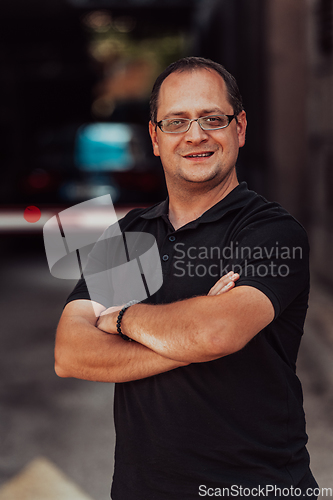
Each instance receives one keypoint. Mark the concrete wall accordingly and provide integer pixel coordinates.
(320, 135)
(300, 103)
(286, 100)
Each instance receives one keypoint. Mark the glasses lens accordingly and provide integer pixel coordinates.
(214, 122)
(175, 125)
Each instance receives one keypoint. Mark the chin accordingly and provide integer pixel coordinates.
(204, 178)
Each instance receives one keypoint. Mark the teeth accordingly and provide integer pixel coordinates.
(199, 156)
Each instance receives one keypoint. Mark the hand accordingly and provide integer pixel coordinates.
(107, 321)
(224, 284)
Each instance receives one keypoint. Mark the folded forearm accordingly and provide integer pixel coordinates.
(197, 329)
(83, 351)
(182, 331)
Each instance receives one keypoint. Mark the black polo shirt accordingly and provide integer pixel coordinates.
(238, 421)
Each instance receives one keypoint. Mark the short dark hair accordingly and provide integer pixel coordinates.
(192, 63)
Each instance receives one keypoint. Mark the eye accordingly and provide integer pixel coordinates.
(176, 122)
(213, 119)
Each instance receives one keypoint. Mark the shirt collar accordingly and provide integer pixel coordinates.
(236, 199)
(157, 210)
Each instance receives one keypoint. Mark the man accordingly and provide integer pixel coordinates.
(207, 402)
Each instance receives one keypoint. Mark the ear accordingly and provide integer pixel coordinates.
(154, 139)
(241, 128)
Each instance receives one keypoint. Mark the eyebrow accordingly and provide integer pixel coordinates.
(202, 113)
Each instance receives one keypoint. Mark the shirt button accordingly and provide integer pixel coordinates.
(172, 238)
(165, 257)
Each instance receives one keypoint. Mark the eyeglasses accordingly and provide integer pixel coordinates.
(180, 125)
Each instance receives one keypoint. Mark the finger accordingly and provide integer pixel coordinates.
(223, 282)
(226, 288)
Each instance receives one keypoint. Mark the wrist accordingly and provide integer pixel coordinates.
(120, 317)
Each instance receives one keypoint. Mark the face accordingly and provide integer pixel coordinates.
(197, 156)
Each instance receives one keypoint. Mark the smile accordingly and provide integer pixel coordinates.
(200, 155)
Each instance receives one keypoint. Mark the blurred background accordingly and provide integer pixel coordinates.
(75, 79)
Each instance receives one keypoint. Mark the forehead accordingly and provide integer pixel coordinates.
(192, 92)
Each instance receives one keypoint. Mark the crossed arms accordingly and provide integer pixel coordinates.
(167, 336)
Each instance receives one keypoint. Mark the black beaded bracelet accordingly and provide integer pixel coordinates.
(120, 317)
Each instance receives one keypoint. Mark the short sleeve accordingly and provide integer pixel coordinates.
(272, 255)
(115, 264)
(95, 283)
(80, 292)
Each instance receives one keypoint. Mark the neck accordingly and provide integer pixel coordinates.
(189, 205)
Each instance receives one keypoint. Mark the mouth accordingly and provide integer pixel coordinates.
(207, 154)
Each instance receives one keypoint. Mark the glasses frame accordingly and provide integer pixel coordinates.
(230, 118)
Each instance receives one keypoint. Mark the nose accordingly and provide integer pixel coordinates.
(195, 133)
